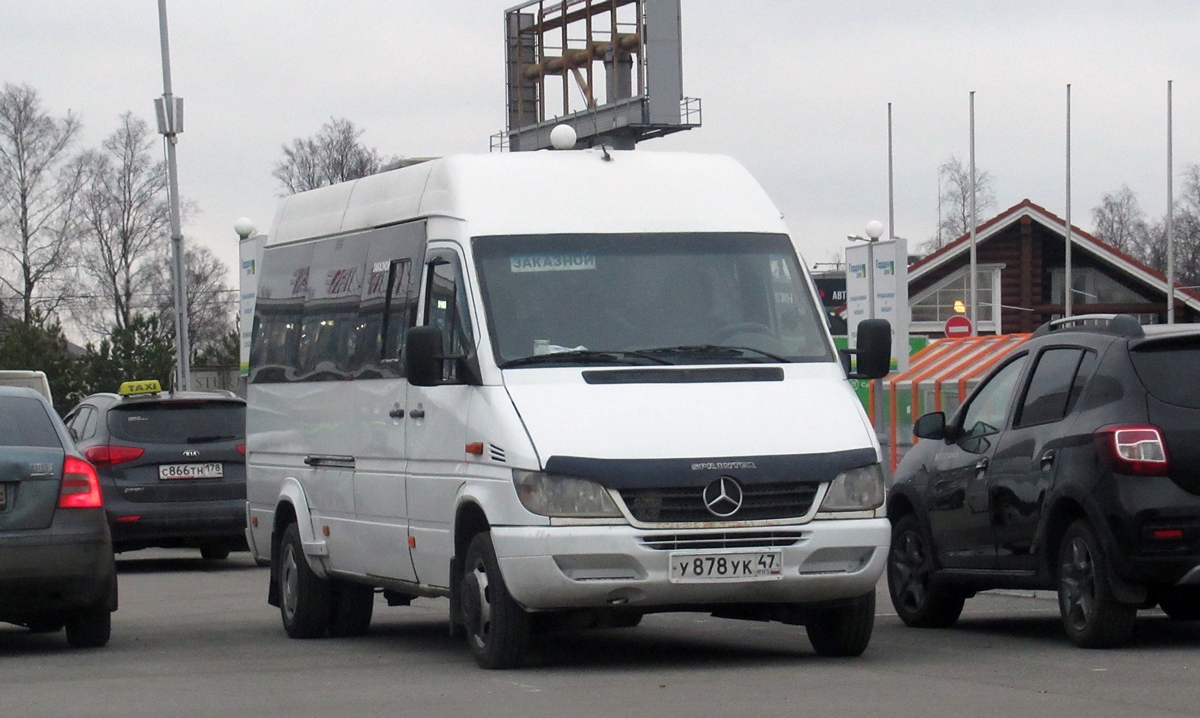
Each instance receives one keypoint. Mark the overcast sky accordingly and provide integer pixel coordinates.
(796, 90)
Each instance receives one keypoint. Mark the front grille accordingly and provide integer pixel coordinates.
(718, 540)
(760, 502)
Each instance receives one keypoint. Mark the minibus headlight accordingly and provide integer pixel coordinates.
(858, 489)
(563, 496)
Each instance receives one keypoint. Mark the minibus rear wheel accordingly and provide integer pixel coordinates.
(497, 627)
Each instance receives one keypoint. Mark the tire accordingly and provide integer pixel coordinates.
(920, 601)
(351, 605)
(844, 631)
(214, 552)
(1091, 616)
(1180, 604)
(90, 628)
(497, 627)
(304, 597)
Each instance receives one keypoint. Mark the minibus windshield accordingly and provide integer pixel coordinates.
(694, 298)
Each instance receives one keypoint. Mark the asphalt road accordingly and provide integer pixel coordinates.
(195, 638)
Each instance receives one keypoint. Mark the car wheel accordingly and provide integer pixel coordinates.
(304, 596)
(1180, 604)
(214, 552)
(843, 631)
(1091, 616)
(352, 604)
(91, 627)
(497, 627)
(919, 600)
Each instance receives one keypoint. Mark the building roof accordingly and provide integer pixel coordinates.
(1079, 238)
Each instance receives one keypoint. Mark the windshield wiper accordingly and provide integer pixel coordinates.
(210, 439)
(714, 351)
(585, 356)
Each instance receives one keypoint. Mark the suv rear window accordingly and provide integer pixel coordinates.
(24, 422)
(1168, 371)
(197, 422)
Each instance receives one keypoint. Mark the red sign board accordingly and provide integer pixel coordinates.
(957, 327)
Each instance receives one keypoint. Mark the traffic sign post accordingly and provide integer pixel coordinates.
(957, 327)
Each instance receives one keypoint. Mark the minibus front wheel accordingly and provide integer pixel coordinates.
(496, 625)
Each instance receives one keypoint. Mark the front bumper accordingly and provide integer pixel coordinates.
(559, 567)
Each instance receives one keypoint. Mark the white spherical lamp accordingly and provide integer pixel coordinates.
(562, 137)
(874, 229)
(244, 227)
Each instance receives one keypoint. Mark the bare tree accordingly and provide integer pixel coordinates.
(1120, 222)
(212, 305)
(39, 186)
(125, 214)
(332, 155)
(955, 182)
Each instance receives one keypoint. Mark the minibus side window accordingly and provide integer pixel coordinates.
(278, 311)
(389, 300)
(329, 330)
(446, 307)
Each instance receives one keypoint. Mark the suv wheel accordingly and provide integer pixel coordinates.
(1181, 604)
(1091, 616)
(919, 600)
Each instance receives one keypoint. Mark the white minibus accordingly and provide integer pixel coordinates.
(560, 389)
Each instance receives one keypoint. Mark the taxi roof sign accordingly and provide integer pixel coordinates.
(133, 388)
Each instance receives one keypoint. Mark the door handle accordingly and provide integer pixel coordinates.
(337, 462)
(981, 466)
(396, 413)
(417, 414)
(1048, 458)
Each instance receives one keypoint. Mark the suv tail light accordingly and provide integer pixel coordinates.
(80, 486)
(241, 449)
(112, 455)
(1137, 450)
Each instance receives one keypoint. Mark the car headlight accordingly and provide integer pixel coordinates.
(858, 489)
(563, 496)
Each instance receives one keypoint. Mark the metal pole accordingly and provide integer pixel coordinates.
(182, 345)
(974, 224)
(891, 185)
(1069, 287)
(1170, 217)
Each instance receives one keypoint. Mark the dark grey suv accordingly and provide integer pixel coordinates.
(1075, 466)
(56, 557)
(172, 466)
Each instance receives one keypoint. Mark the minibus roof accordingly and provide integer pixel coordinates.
(548, 192)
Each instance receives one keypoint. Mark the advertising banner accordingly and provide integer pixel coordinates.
(251, 252)
(888, 263)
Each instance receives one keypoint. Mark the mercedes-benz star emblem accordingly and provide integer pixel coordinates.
(723, 497)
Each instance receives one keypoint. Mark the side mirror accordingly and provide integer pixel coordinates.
(874, 350)
(423, 356)
(930, 426)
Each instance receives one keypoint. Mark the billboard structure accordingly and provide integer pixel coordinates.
(887, 263)
(612, 69)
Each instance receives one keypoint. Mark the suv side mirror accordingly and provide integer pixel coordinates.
(423, 356)
(930, 426)
(874, 350)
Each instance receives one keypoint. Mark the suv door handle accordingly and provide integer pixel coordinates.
(981, 466)
(396, 413)
(1048, 458)
(417, 414)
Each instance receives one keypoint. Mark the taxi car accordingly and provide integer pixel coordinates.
(171, 465)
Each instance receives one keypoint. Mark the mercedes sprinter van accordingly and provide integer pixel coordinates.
(561, 389)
